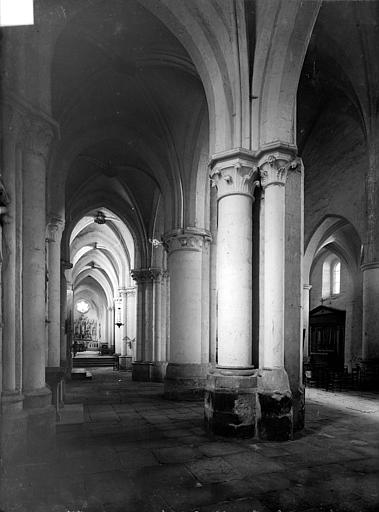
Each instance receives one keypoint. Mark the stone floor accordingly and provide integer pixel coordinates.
(136, 452)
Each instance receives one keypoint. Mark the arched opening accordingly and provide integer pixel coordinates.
(332, 298)
(103, 310)
(128, 151)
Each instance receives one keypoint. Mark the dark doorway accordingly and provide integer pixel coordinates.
(327, 337)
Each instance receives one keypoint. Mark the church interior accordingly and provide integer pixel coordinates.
(189, 226)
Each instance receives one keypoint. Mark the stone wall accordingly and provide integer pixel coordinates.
(335, 162)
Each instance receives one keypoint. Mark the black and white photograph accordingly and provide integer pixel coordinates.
(189, 255)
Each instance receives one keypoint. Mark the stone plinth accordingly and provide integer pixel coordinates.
(141, 371)
(246, 402)
(185, 381)
(41, 421)
(231, 401)
(158, 371)
(275, 422)
(54, 376)
(13, 428)
(125, 362)
(298, 404)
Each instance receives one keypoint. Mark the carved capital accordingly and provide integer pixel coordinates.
(187, 240)
(234, 173)
(54, 229)
(146, 275)
(274, 168)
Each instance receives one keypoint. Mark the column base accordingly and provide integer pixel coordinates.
(125, 363)
(41, 421)
(141, 371)
(275, 421)
(185, 381)
(230, 407)
(13, 428)
(298, 398)
(54, 376)
(158, 371)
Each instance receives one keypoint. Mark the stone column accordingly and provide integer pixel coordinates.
(159, 357)
(187, 367)
(165, 316)
(54, 234)
(213, 278)
(131, 320)
(306, 291)
(370, 318)
(54, 371)
(274, 388)
(69, 323)
(144, 334)
(12, 418)
(123, 328)
(41, 421)
(230, 403)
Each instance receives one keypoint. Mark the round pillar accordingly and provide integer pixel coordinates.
(231, 392)
(54, 234)
(159, 364)
(39, 136)
(370, 318)
(41, 419)
(9, 260)
(306, 292)
(131, 321)
(13, 423)
(144, 334)
(188, 363)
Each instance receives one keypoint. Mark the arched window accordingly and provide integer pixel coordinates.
(336, 277)
(331, 277)
(326, 279)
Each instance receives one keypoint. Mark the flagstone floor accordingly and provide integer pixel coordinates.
(123, 448)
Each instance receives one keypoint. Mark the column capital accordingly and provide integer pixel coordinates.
(145, 275)
(234, 173)
(189, 239)
(275, 165)
(54, 229)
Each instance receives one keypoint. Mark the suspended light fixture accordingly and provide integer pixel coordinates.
(118, 321)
